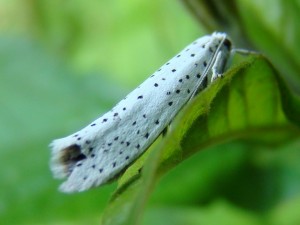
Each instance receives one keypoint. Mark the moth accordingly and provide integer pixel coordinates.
(99, 152)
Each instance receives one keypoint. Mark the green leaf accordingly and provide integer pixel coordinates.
(244, 105)
(286, 213)
(273, 27)
(218, 213)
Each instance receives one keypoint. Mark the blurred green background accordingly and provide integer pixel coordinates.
(63, 63)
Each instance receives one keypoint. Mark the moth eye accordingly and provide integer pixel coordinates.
(227, 43)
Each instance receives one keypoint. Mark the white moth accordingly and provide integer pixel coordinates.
(100, 151)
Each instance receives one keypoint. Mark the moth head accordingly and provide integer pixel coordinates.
(223, 39)
(227, 43)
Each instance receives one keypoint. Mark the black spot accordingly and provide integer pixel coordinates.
(177, 91)
(93, 166)
(134, 123)
(76, 135)
(127, 143)
(138, 132)
(155, 85)
(168, 93)
(192, 55)
(144, 115)
(188, 91)
(120, 152)
(146, 135)
(210, 49)
(100, 170)
(127, 157)
(163, 78)
(173, 70)
(198, 75)
(157, 122)
(203, 46)
(204, 64)
(167, 63)
(116, 138)
(196, 64)
(91, 149)
(138, 146)
(84, 178)
(140, 97)
(92, 155)
(109, 144)
(187, 77)
(104, 120)
(170, 103)
(122, 142)
(159, 69)
(79, 164)
(180, 80)
(116, 114)
(187, 49)
(78, 139)
(114, 164)
(153, 75)
(93, 124)
(178, 56)
(105, 150)
(124, 109)
(88, 142)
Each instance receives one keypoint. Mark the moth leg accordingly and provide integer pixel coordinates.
(219, 66)
(140, 170)
(165, 131)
